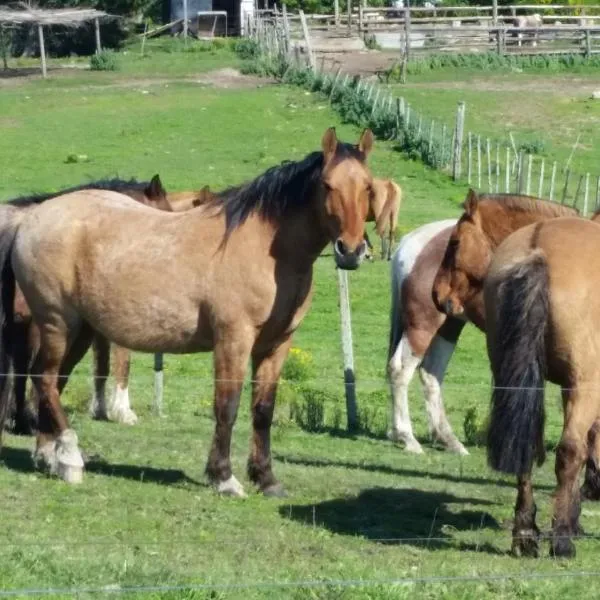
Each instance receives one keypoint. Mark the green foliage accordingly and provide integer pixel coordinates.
(474, 427)
(532, 147)
(246, 48)
(104, 61)
(491, 61)
(299, 366)
(309, 410)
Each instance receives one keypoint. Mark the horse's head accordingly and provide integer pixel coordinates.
(347, 185)
(155, 195)
(459, 280)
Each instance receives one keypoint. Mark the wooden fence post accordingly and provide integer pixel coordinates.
(541, 184)
(469, 157)
(586, 193)
(185, 20)
(158, 383)
(566, 188)
(552, 180)
(349, 17)
(336, 13)
(347, 350)
(458, 141)
(311, 56)
(42, 49)
(97, 32)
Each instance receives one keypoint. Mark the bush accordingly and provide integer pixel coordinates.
(246, 48)
(104, 61)
(298, 366)
(474, 428)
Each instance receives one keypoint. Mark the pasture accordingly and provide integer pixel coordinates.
(360, 511)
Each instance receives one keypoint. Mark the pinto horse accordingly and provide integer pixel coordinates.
(233, 277)
(423, 337)
(384, 206)
(26, 334)
(458, 290)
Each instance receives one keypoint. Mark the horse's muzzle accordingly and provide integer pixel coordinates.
(348, 259)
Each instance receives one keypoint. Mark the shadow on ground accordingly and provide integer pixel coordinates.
(399, 516)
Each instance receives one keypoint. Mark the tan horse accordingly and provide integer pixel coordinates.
(542, 314)
(26, 334)
(234, 278)
(384, 206)
(458, 287)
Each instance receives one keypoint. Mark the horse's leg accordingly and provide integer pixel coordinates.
(230, 360)
(266, 370)
(101, 349)
(580, 414)
(120, 408)
(402, 367)
(432, 371)
(525, 531)
(369, 253)
(25, 419)
(57, 444)
(590, 490)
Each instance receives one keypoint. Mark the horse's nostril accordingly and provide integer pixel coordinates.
(340, 247)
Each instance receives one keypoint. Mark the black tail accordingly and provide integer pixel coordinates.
(518, 357)
(8, 230)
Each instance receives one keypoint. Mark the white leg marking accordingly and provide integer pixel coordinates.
(432, 373)
(231, 487)
(402, 368)
(120, 409)
(69, 461)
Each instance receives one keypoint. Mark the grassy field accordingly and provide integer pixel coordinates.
(543, 110)
(360, 509)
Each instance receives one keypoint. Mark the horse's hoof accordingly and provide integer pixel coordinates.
(69, 462)
(44, 458)
(411, 445)
(526, 544)
(231, 487)
(275, 490)
(456, 447)
(69, 473)
(562, 547)
(99, 414)
(124, 417)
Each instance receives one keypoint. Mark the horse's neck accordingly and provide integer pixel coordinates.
(509, 222)
(299, 240)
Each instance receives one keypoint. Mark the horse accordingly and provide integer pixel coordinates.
(531, 22)
(459, 292)
(233, 277)
(542, 311)
(384, 205)
(423, 337)
(26, 334)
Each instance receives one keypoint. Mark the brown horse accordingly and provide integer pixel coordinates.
(384, 206)
(458, 287)
(233, 277)
(542, 317)
(26, 334)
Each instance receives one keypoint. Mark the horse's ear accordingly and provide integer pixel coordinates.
(203, 196)
(365, 144)
(329, 144)
(471, 203)
(155, 188)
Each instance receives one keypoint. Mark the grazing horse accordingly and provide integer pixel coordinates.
(422, 336)
(384, 206)
(458, 290)
(233, 277)
(26, 334)
(529, 22)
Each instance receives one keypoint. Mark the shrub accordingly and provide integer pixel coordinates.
(247, 48)
(298, 366)
(104, 61)
(474, 428)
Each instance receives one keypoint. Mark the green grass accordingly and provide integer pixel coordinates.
(541, 108)
(144, 515)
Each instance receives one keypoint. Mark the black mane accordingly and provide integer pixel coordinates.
(115, 185)
(279, 190)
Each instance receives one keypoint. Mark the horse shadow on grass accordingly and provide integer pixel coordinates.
(394, 516)
(19, 459)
